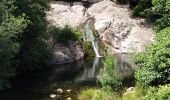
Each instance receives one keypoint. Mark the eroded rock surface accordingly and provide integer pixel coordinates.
(114, 23)
(118, 29)
(66, 54)
(65, 13)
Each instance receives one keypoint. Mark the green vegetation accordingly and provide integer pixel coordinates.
(154, 62)
(164, 92)
(152, 93)
(129, 95)
(111, 82)
(26, 39)
(88, 49)
(162, 9)
(153, 74)
(63, 35)
(22, 38)
(142, 8)
(110, 76)
(157, 11)
(97, 94)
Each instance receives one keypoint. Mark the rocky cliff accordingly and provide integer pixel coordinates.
(114, 23)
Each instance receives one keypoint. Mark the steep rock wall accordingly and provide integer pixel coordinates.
(114, 23)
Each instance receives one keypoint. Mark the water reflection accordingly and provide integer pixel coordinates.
(39, 84)
(91, 73)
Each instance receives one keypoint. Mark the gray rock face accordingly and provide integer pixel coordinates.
(62, 13)
(66, 54)
(118, 29)
(114, 23)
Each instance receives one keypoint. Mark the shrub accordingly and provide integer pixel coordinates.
(141, 7)
(162, 22)
(129, 95)
(154, 62)
(67, 33)
(158, 93)
(97, 94)
(140, 90)
(110, 77)
(157, 11)
(88, 49)
(164, 92)
(162, 8)
(63, 35)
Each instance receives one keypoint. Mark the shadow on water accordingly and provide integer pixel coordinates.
(39, 84)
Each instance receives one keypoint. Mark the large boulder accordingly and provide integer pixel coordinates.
(64, 13)
(114, 23)
(66, 54)
(118, 29)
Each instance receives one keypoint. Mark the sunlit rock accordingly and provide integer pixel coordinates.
(69, 90)
(59, 90)
(52, 95)
(130, 89)
(118, 29)
(64, 13)
(114, 23)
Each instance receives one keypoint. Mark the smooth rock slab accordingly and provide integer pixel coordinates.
(114, 23)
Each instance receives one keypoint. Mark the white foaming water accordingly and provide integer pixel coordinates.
(88, 36)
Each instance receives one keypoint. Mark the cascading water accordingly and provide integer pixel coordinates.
(90, 73)
(88, 36)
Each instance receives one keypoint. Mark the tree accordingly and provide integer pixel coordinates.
(34, 51)
(22, 37)
(162, 9)
(10, 28)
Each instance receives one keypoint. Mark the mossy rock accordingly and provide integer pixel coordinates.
(88, 49)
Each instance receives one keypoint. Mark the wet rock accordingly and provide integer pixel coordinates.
(69, 91)
(59, 90)
(130, 89)
(52, 95)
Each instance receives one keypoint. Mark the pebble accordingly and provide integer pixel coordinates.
(69, 90)
(130, 89)
(52, 95)
(59, 90)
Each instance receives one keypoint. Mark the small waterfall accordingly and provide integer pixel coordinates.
(90, 73)
(88, 36)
